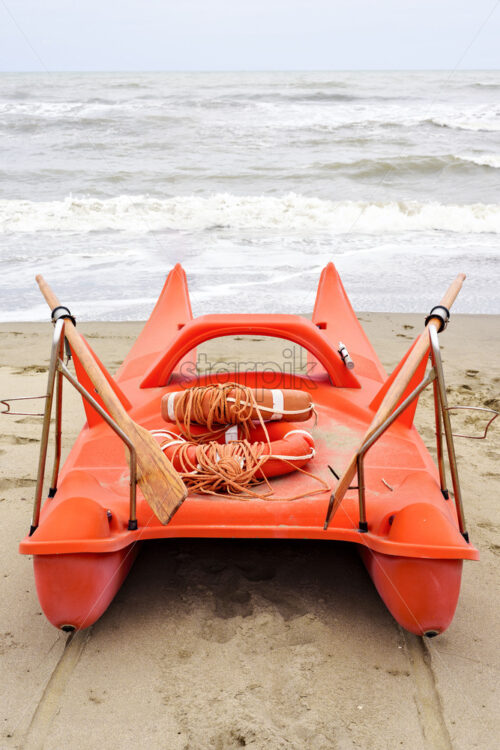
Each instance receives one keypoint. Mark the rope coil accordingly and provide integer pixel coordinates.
(234, 468)
(228, 404)
(229, 469)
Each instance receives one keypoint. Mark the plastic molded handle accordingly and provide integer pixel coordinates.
(290, 327)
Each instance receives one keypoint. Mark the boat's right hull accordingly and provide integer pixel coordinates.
(420, 593)
(75, 589)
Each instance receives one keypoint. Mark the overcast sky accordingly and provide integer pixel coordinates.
(252, 35)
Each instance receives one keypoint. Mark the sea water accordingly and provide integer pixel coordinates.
(253, 181)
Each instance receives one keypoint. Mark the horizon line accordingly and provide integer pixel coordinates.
(254, 70)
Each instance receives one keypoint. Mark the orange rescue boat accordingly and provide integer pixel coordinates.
(409, 529)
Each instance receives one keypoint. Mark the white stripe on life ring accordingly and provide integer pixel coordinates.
(298, 432)
(170, 405)
(172, 442)
(278, 404)
(294, 458)
(231, 433)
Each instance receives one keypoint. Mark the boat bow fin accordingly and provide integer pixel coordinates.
(93, 417)
(334, 316)
(171, 313)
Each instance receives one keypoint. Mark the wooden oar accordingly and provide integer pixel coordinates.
(161, 485)
(396, 390)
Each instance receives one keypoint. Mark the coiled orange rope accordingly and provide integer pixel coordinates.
(229, 469)
(224, 469)
(221, 411)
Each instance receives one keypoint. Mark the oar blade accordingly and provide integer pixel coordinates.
(160, 484)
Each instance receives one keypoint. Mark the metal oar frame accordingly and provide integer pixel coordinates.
(57, 369)
(441, 409)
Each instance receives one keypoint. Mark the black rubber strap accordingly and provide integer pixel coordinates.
(62, 312)
(441, 312)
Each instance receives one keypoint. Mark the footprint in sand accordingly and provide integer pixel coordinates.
(255, 571)
(398, 672)
(29, 420)
(8, 484)
(218, 631)
(7, 642)
(492, 403)
(488, 525)
(30, 370)
(229, 604)
(18, 440)
(288, 606)
(233, 738)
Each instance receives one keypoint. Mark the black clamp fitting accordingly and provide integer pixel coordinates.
(62, 312)
(441, 312)
(59, 313)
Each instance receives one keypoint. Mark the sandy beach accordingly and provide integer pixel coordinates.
(220, 645)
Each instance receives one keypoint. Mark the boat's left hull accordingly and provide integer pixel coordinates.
(75, 589)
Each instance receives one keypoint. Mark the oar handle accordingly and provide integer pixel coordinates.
(47, 292)
(396, 390)
(451, 293)
(87, 360)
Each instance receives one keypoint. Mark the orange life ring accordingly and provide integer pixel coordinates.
(276, 404)
(289, 447)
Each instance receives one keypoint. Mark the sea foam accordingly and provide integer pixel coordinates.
(291, 213)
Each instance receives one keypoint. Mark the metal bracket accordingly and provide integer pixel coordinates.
(436, 377)
(57, 369)
(442, 313)
(7, 402)
(475, 408)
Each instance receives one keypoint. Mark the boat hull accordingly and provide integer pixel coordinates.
(75, 589)
(421, 594)
(84, 543)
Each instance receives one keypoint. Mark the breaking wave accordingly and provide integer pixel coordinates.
(481, 122)
(292, 213)
(412, 164)
(482, 160)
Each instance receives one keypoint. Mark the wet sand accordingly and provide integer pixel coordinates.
(213, 644)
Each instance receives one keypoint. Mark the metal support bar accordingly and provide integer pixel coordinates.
(439, 441)
(54, 356)
(57, 369)
(132, 524)
(476, 408)
(438, 366)
(58, 426)
(363, 524)
(441, 408)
